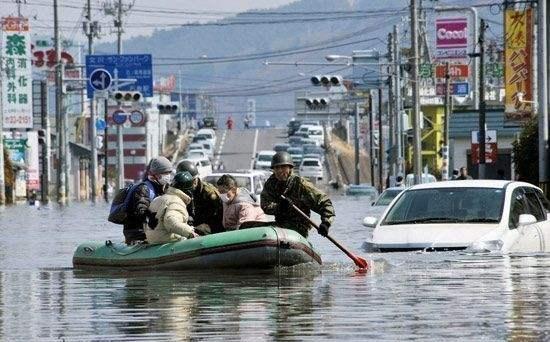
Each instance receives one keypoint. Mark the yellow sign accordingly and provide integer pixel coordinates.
(518, 60)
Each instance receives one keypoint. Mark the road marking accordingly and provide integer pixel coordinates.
(220, 148)
(255, 146)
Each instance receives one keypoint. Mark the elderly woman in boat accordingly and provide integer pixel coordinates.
(239, 205)
(168, 220)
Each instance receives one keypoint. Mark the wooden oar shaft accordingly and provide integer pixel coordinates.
(360, 262)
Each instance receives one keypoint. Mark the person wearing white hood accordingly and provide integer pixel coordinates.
(239, 205)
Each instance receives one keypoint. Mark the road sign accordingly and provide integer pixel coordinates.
(490, 136)
(100, 79)
(119, 117)
(491, 147)
(458, 89)
(455, 71)
(138, 67)
(136, 117)
(100, 124)
(491, 153)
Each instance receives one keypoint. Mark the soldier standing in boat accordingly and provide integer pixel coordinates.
(298, 191)
(206, 206)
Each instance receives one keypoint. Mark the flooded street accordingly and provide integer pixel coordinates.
(405, 295)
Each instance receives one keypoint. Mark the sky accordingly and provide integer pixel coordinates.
(141, 19)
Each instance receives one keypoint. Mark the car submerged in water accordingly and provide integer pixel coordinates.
(478, 215)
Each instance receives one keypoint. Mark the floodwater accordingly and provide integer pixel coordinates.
(404, 296)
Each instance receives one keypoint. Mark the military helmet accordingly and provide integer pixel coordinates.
(281, 158)
(183, 181)
(188, 166)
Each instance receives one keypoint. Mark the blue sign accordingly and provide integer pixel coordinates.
(138, 67)
(100, 79)
(458, 89)
(461, 88)
(100, 124)
(119, 117)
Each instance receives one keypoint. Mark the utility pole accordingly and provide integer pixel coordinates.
(398, 105)
(117, 13)
(380, 142)
(90, 31)
(105, 149)
(46, 147)
(542, 77)
(417, 146)
(481, 140)
(59, 117)
(391, 105)
(445, 148)
(371, 139)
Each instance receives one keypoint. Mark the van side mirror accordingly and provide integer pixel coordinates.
(526, 219)
(370, 221)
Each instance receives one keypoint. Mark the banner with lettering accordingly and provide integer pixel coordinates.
(518, 63)
(15, 55)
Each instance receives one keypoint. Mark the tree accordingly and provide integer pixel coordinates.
(526, 162)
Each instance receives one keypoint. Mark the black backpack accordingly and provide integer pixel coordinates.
(121, 201)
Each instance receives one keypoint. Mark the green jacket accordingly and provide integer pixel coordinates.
(206, 207)
(303, 194)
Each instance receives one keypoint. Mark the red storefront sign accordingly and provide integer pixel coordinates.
(455, 71)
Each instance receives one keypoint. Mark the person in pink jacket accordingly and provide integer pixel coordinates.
(239, 205)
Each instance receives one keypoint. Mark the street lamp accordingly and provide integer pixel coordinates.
(332, 58)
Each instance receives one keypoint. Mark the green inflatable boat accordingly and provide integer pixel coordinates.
(262, 247)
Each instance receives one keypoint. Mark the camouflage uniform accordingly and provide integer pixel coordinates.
(303, 194)
(206, 207)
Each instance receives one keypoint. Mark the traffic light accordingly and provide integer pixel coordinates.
(42, 136)
(168, 108)
(317, 103)
(127, 96)
(327, 80)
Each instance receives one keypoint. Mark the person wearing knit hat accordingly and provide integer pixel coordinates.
(157, 177)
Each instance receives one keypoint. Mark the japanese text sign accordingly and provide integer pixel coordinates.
(138, 67)
(451, 38)
(518, 62)
(17, 78)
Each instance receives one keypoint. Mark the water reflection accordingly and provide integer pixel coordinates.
(206, 304)
(413, 296)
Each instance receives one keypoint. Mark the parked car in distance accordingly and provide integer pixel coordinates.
(209, 134)
(252, 180)
(295, 141)
(362, 190)
(293, 127)
(478, 215)
(196, 147)
(311, 122)
(263, 160)
(310, 149)
(209, 122)
(297, 154)
(316, 133)
(199, 138)
(312, 168)
(281, 147)
(208, 147)
(426, 178)
(196, 154)
(383, 201)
